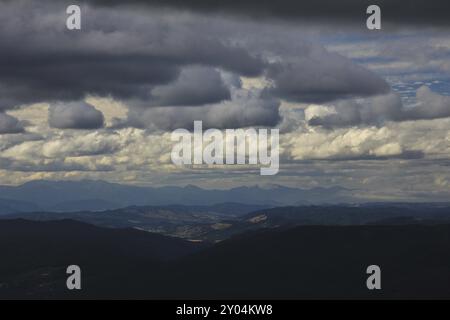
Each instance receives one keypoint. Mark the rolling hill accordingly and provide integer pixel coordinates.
(35, 255)
(295, 263)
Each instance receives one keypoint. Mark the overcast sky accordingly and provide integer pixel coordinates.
(365, 110)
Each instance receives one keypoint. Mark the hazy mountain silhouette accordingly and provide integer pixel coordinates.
(100, 195)
(11, 206)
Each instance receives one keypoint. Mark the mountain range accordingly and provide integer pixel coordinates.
(232, 244)
(65, 196)
(222, 221)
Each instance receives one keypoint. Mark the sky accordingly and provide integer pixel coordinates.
(367, 110)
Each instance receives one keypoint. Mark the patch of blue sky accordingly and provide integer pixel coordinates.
(407, 90)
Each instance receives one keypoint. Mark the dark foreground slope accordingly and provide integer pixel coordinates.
(301, 262)
(323, 262)
(35, 255)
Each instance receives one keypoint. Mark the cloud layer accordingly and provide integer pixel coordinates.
(429, 105)
(320, 76)
(325, 11)
(194, 86)
(161, 58)
(365, 110)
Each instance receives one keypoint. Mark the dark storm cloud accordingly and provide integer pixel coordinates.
(424, 12)
(194, 86)
(166, 59)
(320, 76)
(44, 78)
(245, 109)
(120, 55)
(74, 115)
(9, 124)
(47, 77)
